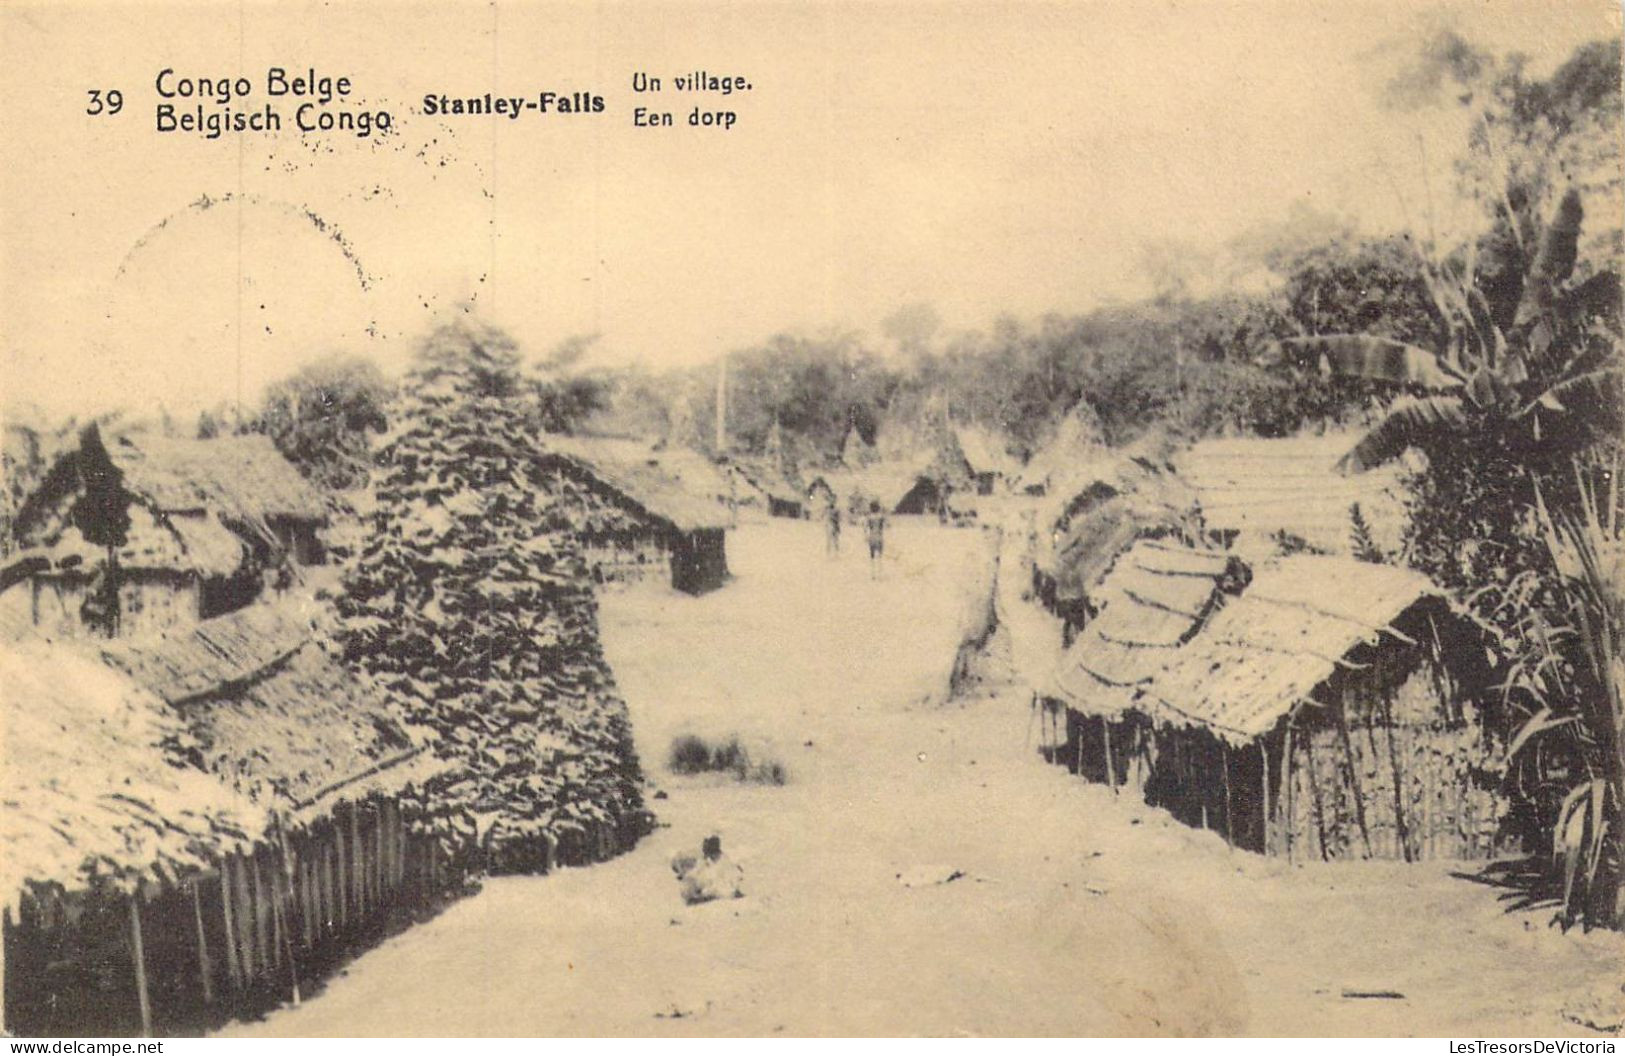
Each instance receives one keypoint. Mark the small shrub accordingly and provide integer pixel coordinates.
(695, 755)
(689, 755)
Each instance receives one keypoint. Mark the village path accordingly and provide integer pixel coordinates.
(1075, 912)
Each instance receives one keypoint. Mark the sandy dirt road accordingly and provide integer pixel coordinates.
(1074, 912)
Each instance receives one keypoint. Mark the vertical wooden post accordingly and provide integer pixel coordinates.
(138, 955)
(1355, 786)
(378, 883)
(1106, 740)
(1317, 801)
(233, 966)
(205, 969)
(1289, 818)
(263, 946)
(279, 918)
(341, 853)
(1229, 813)
(358, 863)
(1264, 804)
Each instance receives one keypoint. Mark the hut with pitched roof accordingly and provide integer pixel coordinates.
(637, 510)
(110, 835)
(1155, 597)
(354, 831)
(1328, 712)
(209, 522)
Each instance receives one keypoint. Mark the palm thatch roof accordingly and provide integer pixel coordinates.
(1289, 632)
(1155, 598)
(676, 486)
(95, 787)
(1077, 440)
(1257, 487)
(1105, 507)
(240, 478)
(985, 451)
(155, 542)
(765, 476)
(194, 503)
(276, 715)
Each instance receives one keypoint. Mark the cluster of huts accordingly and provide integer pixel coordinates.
(1240, 655)
(944, 472)
(204, 808)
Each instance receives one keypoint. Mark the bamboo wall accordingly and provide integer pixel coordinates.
(245, 937)
(1383, 769)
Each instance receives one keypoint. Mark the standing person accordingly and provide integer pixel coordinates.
(832, 530)
(874, 529)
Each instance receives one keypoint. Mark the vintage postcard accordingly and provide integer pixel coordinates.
(812, 518)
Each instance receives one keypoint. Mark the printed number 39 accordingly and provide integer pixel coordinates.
(111, 102)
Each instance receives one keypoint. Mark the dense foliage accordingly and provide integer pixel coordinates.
(469, 604)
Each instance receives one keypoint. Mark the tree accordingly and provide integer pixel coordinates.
(469, 603)
(323, 417)
(563, 397)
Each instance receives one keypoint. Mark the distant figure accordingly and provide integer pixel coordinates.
(874, 530)
(710, 876)
(832, 530)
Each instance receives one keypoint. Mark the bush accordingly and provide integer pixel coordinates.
(695, 755)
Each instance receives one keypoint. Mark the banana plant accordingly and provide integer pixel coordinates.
(1522, 359)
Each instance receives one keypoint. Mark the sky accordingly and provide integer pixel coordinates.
(985, 159)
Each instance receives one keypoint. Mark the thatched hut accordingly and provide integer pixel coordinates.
(761, 483)
(1154, 599)
(637, 510)
(987, 461)
(209, 520)
(109, 836)
(1322, 714)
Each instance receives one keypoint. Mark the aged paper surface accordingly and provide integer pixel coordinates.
(811, 518)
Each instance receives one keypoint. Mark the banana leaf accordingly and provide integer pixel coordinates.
(1554, 261)
(1406, 426)
(1368, 356)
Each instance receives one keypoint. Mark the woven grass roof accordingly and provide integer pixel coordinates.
(1289, 632)
(1257, 487)
(93, 787)
(985, 451)
(677, 486)
(1155, 597)
(243, 478)
(276, 716)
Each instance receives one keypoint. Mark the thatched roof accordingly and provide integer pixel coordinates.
(985, 451)
(1105, 507)
(766, 477)
(276, 715)
(155, 542)
(93, 785)
(190, 501)
(1155, 597)
(241, 478)
(1257, 487)
(1077, 440)
(677, 486)
(1288, 632)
